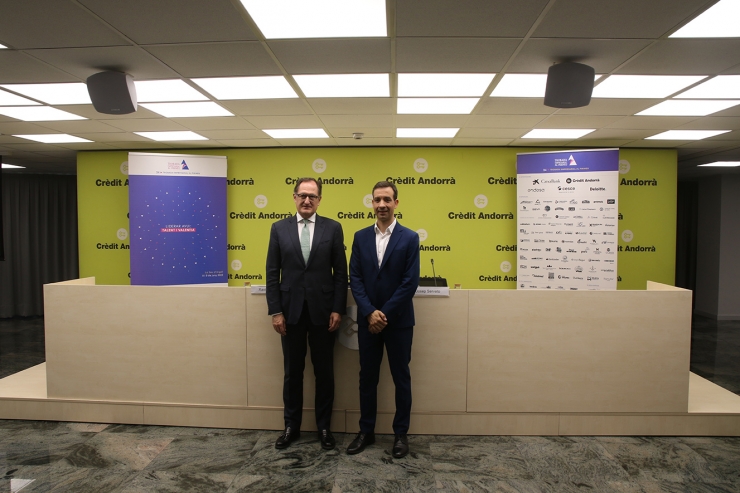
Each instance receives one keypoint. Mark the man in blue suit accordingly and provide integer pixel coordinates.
(306, 296)
(384, 275)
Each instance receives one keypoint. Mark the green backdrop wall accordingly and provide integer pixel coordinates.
(462, 201)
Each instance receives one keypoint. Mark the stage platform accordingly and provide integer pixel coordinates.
(712, 411)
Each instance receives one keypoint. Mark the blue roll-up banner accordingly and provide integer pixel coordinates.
(177, 217)
(568, 207)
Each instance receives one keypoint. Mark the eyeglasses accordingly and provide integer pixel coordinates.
(304, 196)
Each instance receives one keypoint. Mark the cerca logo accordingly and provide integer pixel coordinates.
(480, 201)
(122, 234)
(627, 235)
(368, 201)
(236, 265)
(505, 266)
(124, 168)
(260, 201)
(319, 165)
(624, 166)
(423, 235)
(421, 165)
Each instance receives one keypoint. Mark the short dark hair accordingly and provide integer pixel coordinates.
(305, 179)
(387, 184)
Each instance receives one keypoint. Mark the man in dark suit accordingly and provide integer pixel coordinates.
(384, 275)
(306, 296)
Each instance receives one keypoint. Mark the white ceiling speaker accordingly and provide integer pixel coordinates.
(112, 93)
(569, 85)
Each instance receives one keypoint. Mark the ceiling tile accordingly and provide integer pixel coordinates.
(367, 142)
(513, 106)
(353, 106)
(24, 128)
(117, 137)
(84, 62)
(577, 121)
(267, 107)
(713, 123)
(19, 68)
(215, 123)
(453, 55)
(624, 19)
(492, 133)
(618, 134)
(296, 121)
(241, 59)
(333, 56)
(250, 143)
(357, 121)
(610, 106)
(499, 18)
(36, 24)
(88, 111)
(370, 132)
(604, 142)
(233, 134)
(79, 126)
(173, 21)
(652, 122)
(604, 55)
(505, 121)
(685, 57)
(425, 121)
(306, 142)
(480, 142)
(148, 125)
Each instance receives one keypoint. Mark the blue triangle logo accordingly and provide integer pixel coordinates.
(184, 165)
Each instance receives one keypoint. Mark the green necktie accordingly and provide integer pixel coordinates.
(305, 240)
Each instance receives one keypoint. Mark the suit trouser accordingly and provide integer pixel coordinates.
(321, 342)
(397, 342)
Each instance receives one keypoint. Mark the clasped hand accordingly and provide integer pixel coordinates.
(376, 322)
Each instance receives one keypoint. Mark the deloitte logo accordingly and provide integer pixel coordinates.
(319, 165)
(624, 166)
(480, 201)
(505, 266)
(627, 235)
(422, 234)
(367, 200)
(260, 201)
(122, 234)
(421, 165)
(236, 264)
(124, 168)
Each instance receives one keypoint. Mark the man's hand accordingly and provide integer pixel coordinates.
(334, 320)
(376, 322)
(278, 323)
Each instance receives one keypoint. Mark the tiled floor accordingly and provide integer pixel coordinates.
(79, 457)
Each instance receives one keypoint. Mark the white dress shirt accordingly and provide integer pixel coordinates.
(382, 239)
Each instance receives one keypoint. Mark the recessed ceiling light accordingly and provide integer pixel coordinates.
(182, 110)
(226, 88)
(67, 93)
(38, 114)
(5, 165)
(521, 86)
(425, 133)
(344, 85)
(3, 47)
(284, 19)
(171, 136)
(153, 91)
(436, 106)
(643, 86)
(723, 164)
(718, 21)
(7, 99)
(296, 133)
(557, 133)
(686, 134)
(443, 85)
(721, 87)
(687, 107)
(53, 138)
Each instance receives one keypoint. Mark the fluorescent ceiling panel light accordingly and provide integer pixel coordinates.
(674, 107)
(431, 133)
(721, 87)
(171, 136)
(154, 91)
(53, 138)
(7, 99)
(521, 86)
(344, 85)
(643, 86)
(436, 106)
(443, 85)
(723, 164)
(285, 19)
(718, 21)
(296, 133)
(557, 133)
(190, 110)
(3, 47)
(686, 134)
(68, 93)
(227, 88)
(11, 165)
(38, 114)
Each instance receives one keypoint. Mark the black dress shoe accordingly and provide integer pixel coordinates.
(289, 436)
(400, 446)
(361, 441)
(327, 440)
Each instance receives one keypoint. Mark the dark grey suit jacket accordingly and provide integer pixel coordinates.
(322, 283)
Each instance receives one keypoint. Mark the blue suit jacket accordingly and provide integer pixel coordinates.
(322, 283)
(389, 288)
